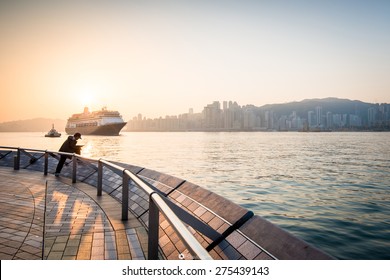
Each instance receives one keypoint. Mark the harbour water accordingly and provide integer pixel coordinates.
(330, 189)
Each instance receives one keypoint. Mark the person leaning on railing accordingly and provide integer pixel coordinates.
(69, 146)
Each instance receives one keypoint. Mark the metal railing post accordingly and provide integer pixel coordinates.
(74, 173)
(46, 167)
(17, 160)
(100, 178)
(154, 216)
(125, 196)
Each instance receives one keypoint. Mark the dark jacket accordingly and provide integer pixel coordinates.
(69, 145)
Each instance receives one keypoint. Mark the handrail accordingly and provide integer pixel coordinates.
(37, 150)
(189, 240)
(156, 203)
(112, 165)
(192, 244)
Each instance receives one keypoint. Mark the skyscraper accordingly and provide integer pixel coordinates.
(371, 116)
(212, 115)
(319, 116)
(311, 118)
(329, 120)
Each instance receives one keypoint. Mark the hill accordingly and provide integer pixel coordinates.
(33, 125)
(331, 104)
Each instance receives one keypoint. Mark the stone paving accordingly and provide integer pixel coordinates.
(44, 217)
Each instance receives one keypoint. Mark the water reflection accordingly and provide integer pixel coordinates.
(102, 147)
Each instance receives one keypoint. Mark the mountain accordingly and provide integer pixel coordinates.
(33, 125)
(331, 104)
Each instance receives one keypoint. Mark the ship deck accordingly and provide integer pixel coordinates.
(45, 217)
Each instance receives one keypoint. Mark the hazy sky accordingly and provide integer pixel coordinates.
(163, 57)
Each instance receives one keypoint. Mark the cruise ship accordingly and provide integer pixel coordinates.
(103, 122)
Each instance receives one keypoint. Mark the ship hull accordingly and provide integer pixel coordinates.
(108, 130)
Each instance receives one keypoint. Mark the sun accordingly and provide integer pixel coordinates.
(87, 97)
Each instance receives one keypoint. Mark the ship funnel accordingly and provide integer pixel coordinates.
(86, 111)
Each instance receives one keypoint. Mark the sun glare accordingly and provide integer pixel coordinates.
(87, 97)
(86, 100)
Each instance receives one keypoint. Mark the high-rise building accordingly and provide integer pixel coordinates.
(269, 119)
(318, 116)
(329, 120)
(371, 116)
(212, 115)
(225, 106)
(355, 121)
(311, 119)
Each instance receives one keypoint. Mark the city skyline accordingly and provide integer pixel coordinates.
(308, 115)
(157, 57)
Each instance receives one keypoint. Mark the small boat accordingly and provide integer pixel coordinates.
(53, 133)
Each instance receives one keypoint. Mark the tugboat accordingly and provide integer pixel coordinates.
(53, 133)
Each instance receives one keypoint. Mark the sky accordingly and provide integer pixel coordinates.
(161, 58)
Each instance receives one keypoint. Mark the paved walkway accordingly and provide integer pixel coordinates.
(44, 217)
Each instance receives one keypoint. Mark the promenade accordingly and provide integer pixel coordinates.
(49, 218)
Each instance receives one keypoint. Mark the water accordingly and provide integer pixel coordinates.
(330, 189)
